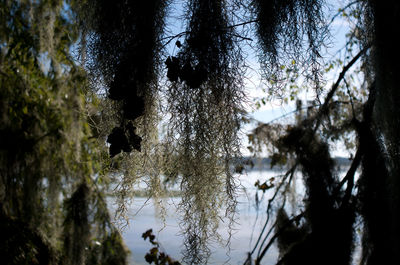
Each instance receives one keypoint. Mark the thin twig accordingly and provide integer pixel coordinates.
(288, 173)
(335, 86)
(341, 10)
(243, 23)
(171, 38)
(277, 234)
(350, 97)
(349, 178)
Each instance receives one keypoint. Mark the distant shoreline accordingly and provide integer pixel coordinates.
(264, 163)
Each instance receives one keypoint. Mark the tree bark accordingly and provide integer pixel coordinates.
(382, 221)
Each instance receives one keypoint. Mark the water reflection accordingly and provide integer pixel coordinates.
(143, 216)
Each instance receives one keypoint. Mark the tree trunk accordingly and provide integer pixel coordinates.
(382, 219)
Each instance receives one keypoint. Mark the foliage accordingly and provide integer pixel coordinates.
(289, 32)
(155, 255)
(321, 226)
(69, 130)
(51, 204)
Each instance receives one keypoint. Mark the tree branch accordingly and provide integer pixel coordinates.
(170, 38)
(277, 234)
(290, 173)
(335, 86)
(341, 10)
(349, 178)
(242, 24)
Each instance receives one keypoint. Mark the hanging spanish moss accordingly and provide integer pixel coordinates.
(123, 41)
(290, 32)
(378, 186)
(46, 150)
(82, 211)
(328, 217)
(204, 101)
(76, 226)
(378, 242)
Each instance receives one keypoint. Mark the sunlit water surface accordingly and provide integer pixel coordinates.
(144, 215)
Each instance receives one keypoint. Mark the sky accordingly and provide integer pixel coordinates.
(275, 109)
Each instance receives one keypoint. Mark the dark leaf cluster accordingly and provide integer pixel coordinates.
(155, 255)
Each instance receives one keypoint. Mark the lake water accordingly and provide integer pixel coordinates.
(144, 215)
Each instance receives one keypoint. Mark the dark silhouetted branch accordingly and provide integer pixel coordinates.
(335, 86)
(277, 234)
